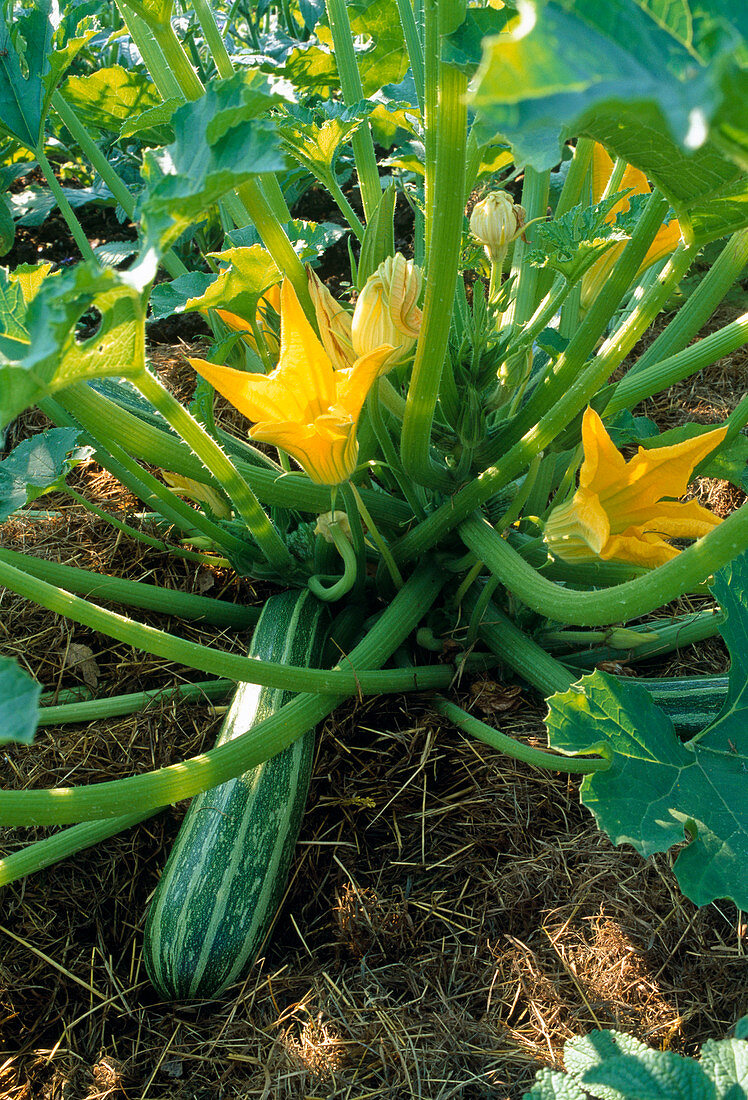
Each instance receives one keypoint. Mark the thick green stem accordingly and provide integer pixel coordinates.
(147, 597)
(581, 386)
(223, 469)
(350, 84)
(516, 649)
(539, 758)
(445, 240)
(162, 448)
(160, 643)
(658, 376)
(414, 48)
(66, 209)
(154, 494)
(187, 778)
(700, 305)
(43, 853)
(276, 241)
(91, 710)
(670, 636)
(621, 602)
(177, 60)
(155, 62)
(535, 203)
(575, 177)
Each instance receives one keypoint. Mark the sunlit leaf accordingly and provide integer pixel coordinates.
(222, 139)
(55, 356)
(109, 97)
(658, 84)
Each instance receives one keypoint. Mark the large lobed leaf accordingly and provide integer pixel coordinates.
(659, 791)
(658, 84)
(52, 356)
(609, 1065)
(222, 139)
(27, 86)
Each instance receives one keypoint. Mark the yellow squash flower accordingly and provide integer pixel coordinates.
(304, 406)
(666, 241)
(618, 512)
(387, 311)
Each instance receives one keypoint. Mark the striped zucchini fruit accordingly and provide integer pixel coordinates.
(227, 872)
(691, 702)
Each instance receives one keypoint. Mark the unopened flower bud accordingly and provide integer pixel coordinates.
(496, 221)
(327, 519)
(387, 311)
(195, 490)
(334, 323)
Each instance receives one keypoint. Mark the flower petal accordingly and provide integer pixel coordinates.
(603, 464)
(353, 385)
(660, 472)
(304, 363)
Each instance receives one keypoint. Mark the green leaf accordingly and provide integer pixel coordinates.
(7, 227)
(316, 144)
(572, 243)
(170, 298)
(657, 84)
(154, 125)
(222, 139)
(110, 97)
(19, 703)
(54, 357)
(659, 791)
(379, 239)
(12, 308)
(726, 1063)
(245, 276)
(37, 466)
(613, 1066)
(551, 1085)
(37, 37)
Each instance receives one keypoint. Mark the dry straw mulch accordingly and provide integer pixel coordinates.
(452, 918)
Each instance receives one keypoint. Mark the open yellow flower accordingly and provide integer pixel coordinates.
(618, 512)
(304, 406)
(666, 241)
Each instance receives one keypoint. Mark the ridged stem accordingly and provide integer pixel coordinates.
(621, 602)
(147, 597)
(414, 48)
(698, 308)
(346, 681)
(66, 209)
(659, 375)
(187, 778)
(572, 360)
(444, 250)
(43, 853)
(539, 758)
(111, 706)
(262, 530)
(350, 84)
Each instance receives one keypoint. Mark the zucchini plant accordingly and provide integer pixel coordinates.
(453, 459)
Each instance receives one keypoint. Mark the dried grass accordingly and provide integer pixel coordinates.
(452, 918)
